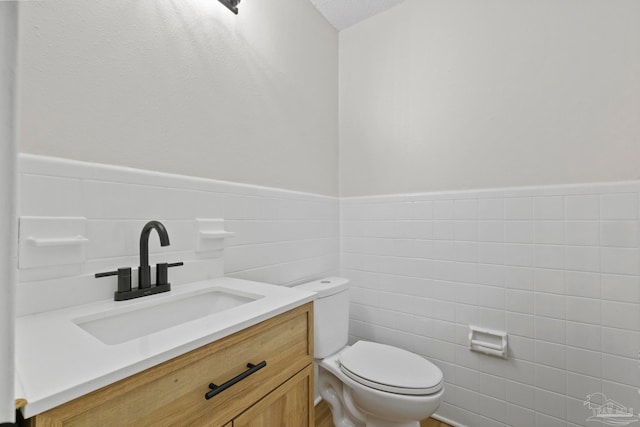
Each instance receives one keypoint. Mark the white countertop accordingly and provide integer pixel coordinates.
(57, 361)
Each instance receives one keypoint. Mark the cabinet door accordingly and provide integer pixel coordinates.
(290, 405)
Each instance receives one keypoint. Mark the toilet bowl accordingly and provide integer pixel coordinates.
(367, 384)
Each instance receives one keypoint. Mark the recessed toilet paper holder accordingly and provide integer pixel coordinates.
(487, 341)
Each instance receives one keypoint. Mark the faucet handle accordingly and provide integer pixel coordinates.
(162, 275)
(124, 278)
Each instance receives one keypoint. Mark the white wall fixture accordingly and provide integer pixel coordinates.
(487, 341)
(8, 72)
(50, 241)
(212, 235)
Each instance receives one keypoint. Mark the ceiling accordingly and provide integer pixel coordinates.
(344, 13)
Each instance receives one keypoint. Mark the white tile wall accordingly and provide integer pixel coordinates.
(557, 267)
(282, 237)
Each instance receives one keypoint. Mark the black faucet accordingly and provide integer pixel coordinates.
(125, 292)
(144, 271)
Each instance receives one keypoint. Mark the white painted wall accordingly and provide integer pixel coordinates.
(459, 94)
(184, 87)
(8, 75)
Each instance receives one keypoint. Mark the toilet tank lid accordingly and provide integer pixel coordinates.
(326, 287)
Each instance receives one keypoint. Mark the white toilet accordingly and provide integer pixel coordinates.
(367, 384)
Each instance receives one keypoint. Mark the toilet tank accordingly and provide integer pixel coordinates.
(330, 314)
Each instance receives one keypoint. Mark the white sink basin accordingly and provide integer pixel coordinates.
(121, 325)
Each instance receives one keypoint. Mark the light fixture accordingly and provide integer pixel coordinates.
(232, 5)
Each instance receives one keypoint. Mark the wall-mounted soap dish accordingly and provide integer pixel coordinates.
(66, 241)
(51, 241)
(211, 235)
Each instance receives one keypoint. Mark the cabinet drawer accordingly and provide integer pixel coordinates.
(173, 393)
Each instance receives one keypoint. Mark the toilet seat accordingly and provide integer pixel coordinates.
(390, 369)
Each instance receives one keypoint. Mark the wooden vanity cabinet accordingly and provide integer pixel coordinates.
(286, 406)
(173, 393)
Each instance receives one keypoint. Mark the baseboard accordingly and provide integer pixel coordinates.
(447, 421)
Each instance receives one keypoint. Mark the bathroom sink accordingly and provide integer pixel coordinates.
(120, 325)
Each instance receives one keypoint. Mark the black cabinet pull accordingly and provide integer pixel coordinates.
(216, 389)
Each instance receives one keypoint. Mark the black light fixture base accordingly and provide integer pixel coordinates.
(232, 5)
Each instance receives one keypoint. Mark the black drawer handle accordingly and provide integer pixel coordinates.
(216, 389)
